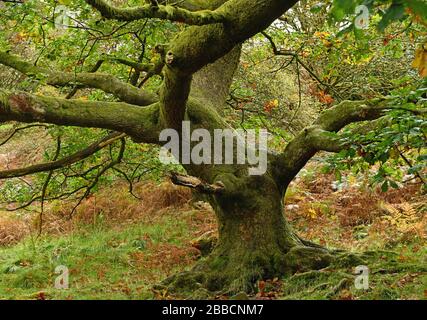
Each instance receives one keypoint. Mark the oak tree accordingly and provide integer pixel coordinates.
(197, 67)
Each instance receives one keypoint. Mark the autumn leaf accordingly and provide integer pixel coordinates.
(345, 295)
(245, 65)
(387, 39)
(420, 61)
(325, 98)
(270, 105)
(321, 35)
(41, 296)
(312, 213)
(261, 287)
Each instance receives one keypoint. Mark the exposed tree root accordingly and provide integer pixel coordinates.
(220, 274)
(304, 265)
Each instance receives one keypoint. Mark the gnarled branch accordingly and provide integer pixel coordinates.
(166, 12)
(102, 81)
(322, 135)
(196, 183)
(142, 124)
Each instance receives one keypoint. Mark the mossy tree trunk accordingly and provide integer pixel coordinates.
(254, 242)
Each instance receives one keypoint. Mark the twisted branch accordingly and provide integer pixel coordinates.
(102, 81)
(154, 10)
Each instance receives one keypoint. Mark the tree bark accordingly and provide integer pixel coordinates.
(255, 242)
(213, 82)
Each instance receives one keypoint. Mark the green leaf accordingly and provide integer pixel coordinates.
(341, 8)
(317, 7)
(384, 187)
(394, 185)
(418, 7)
(395, 12)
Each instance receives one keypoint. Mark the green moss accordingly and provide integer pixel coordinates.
(390, 278)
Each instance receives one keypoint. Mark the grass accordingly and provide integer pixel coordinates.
(124, 263)
(391, 276)
(103, 263)
(118, 247)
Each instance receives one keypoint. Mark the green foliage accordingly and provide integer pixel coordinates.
(396, 143)
(389, 10)
(71, 36)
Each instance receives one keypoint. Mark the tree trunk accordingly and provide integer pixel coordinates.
(255, 242)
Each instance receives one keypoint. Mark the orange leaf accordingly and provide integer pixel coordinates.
(270, 105)
(420, 61)
(261, 286)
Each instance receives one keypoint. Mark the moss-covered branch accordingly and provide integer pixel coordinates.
(174, 97)
(139, 123)
(339, 116)
(102, 81)
(195, 5)
(154, 10)
(322, 135)
(197, 47)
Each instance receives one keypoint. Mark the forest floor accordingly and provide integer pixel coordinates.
(118, 247)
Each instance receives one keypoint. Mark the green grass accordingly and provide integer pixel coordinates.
(125, 262)
(99, 260)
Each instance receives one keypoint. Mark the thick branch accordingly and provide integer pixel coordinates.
(339, 116)
(166, 12)
(195, 5)
(102, 81)
(195, 47)
(196, 183)
(174, 97)
(54, 165)
(322, 134)
(139, 123)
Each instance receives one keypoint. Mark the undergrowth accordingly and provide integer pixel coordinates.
(118, 247)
